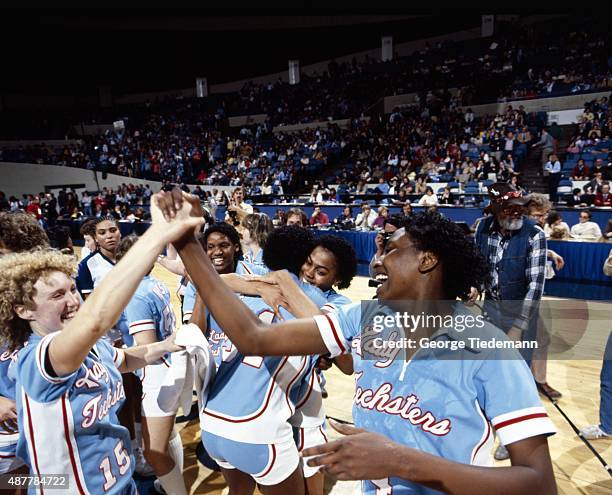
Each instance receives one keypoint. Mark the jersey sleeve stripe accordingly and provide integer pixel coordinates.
(141, 322)
(525, 423)
(118, 357)
(329, 308)
(518, 420)
(41, 352)
(329, 334)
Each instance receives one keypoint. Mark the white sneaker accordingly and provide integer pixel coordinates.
(143, 468)
(158, 487)
(593, 432)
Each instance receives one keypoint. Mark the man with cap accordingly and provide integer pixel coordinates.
(515, 248)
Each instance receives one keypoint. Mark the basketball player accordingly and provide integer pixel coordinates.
(19, 232)
(429, 419)
(149, 318)
(66, 375)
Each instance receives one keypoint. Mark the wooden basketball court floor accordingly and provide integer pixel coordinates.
(577, 471)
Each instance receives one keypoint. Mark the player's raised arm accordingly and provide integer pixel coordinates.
(103, 308)
(246, 331)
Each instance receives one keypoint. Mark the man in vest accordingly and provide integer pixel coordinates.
(515, 248)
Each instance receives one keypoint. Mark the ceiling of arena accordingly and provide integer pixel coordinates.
(72, 51)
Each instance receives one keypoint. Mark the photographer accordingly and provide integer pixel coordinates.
(237, 208)
(391, 224)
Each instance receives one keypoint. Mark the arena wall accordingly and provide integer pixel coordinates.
(30, 178)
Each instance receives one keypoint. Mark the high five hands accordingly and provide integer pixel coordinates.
(177, 213)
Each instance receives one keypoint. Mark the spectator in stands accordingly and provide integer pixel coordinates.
(555, 227)
(345, 220)
(280, 218)
(581, 171)
(238, 206)
(4, 204)
(446, 198)
(553, 167)
(407, 209)
(318, 217)
(575, 199)
(601, 170)
(607, 234)
(365, 219)
(586, 230)
(603, 197)
(547, 143)
(429, 198)
(383, 214)
(596, 182)
(296, 216)
(391, 224)
(588, 198)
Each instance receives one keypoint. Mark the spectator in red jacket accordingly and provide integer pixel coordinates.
(34, 208)
(603, 197)
(581, 171)
(318, 217)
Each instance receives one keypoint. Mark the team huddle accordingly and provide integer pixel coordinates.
(94, 367)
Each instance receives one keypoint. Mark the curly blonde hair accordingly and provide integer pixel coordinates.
(20, 271)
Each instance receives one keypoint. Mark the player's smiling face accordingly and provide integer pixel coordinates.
(55, 303)
(398, 268)
(221, 251)
(320, 269)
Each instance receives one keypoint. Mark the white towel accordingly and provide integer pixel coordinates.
(199, 368)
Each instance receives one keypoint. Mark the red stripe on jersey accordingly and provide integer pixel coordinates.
(271, 464)
(310, 387)
(7, 456)
(251, 418)
(519, 419)
(323, 433)
(301, 443)
(148, 322)
(30, 427)
(483, 442)
(69, 443)
(304, 360)
(335, 332)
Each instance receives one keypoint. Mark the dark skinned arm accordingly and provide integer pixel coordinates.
(364, 455)
(245, 330)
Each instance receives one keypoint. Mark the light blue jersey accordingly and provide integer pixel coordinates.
(246, 267)
(250, 399)
(8, 439)
(255, 263)
(438, 402)
(69, 425)
(149, 309)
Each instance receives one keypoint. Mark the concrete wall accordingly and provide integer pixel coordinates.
(33, 142)
(28, 178)
(241, 120)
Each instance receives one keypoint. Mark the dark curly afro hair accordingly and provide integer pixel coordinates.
(288, 248)
(463, 264)
(346, 259)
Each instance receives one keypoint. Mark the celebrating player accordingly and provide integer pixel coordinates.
(429, 418)
(149, 318)
(68, 382)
